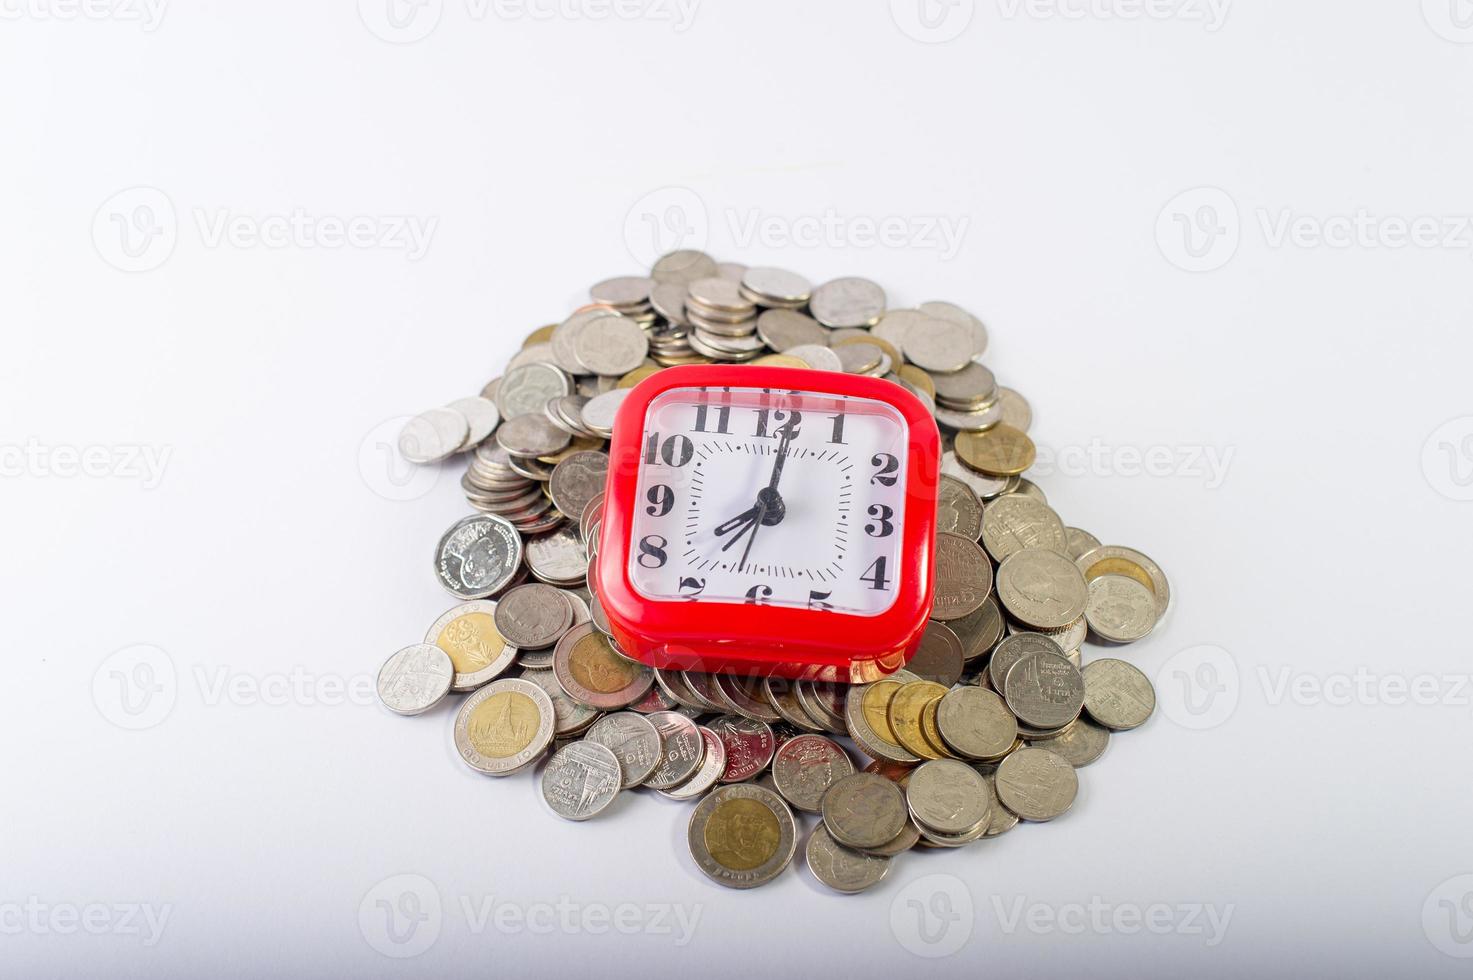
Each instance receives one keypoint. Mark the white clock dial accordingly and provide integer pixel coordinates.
(781, 497)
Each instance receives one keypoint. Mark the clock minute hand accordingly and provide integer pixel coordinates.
(740, 520)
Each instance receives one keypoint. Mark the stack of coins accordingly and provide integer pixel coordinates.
(984, 728)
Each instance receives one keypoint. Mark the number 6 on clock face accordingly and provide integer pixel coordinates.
(769, 520)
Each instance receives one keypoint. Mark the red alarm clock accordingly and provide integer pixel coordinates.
(769, 521)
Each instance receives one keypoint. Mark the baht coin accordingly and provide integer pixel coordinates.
(683, 266)
(742, 836)
(947, 797)
(864, 810)
(817, 357)
(504, 727)
(713, 764)
(906, 712)
(527, 389)
(979, 631)
(415, 679)
(984, 486)
(481, 417)
(681, 750)
(749, 745)
(1001, 819)
(775, 287)
(1079, 744)
(1120, 609)
(963, 577)
(569, 718)
(477, 650)
(1115, 560)
(1014, 522)
(578, 479)
(825, 702)
(976, 723)
(633, 740)
(744, 696)
(937, 345)
(1013, 649)
(782, 694)
(532, 616)
(999, 451)
(1036, 784)
(531, 435)
(1016, 411)
(841, 868)
(558, 558)
(783, 330)
(434, 435)
(592, 673)
(478, 556)
(867, 717)
(600, 411)
(904, 841)
(847, 302)
(1045, 691)
(1042, 589)
(958, 509)
(1117, 694)
(611, 346)
(581, 780)
(939, 657)
(950, 311)
(806, 766)
(1077, 542)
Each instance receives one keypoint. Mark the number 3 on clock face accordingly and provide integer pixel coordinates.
(770, 497)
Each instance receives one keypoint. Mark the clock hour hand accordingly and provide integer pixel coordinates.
(741, 520)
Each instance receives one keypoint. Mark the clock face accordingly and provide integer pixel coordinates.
(777, 497)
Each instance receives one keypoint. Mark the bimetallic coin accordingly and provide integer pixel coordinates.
(713, 764)
(634, 741)
(1036, 784)
(533, 616)
(963, 577)
(591, 673)
(1011, 650)
(433, 435)
(1042, 588)
(1117, 694)
(947, 797)
(999, 451)
(841, 868)
(415, 679)
(581, 780)
(1013, 522)
(1115, 560)
(477, 650)
(976, 723)
(806, 766)
(906, 711)
(958, 509)
(742, 836)
(478, 556)
(1045, 691)
(504, 726)
(681, 750)
(1120, 609)
(750, 745)
(866, 714)
(864, 810)
(1080, 744)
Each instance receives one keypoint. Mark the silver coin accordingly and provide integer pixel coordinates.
(976, 723)
(718, 295)
(415, 679)
(842, 868)
(1077, 542)
(681, 750)
(1013, 649)
(776, 286)
(847, 302)
(713, 764)
(504, 727)
(481, 416)
(527, 390)
(1117, 694)
(782, 694)
(782, 330)
(622, 291)
(745, 696)
(963, 577)
(611, 346)
(1120, 609)
(947, 797)
(668, 299)
(977, 421)
(1045, 691)
(1015, 409)
(979, 631)
(568, 716)
(958, 508)
(633, 739)
(939, 657)
(478, 556)
(577, 479)
(950, 311)
(903, 841)
(557, 558)
(531, 435)
(1013, 522)
(683, 266)
(984, 486)
(971, 389)
(816, 357)
(806, 766)
(533, 616)
(581, 780)
(750, 745)
(937, 345)
(601, 410)
(864, 810)
(1035, 784)
(742, 836)
(1042, 588)
(432, 436)
(893, 327)
(1079, 744)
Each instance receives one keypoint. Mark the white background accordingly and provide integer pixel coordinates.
(1076, 144)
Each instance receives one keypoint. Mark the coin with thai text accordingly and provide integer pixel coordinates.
(415, 679)
(1117, 694)
(581, 780)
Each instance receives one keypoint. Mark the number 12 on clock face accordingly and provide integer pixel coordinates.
(770, 497)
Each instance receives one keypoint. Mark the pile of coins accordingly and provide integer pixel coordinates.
(986, 725)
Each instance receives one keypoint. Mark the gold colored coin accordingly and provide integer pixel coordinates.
(905, 716)
(781, 360)
(503, 724)
(472, 641)
(999, 451)
(876, 706)
(931, 732)
(540, 336)
(742, 834)
(579, 444)
(636, 376)
(917, 377)
(595, 665)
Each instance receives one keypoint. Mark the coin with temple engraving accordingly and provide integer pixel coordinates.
(504, 726)
(634, 741)
(415, 679)
(713, 764)
(1045, 691)
(581, 780)
(963, 577)
(681, 750)
(1117, 694)
(1036, 784)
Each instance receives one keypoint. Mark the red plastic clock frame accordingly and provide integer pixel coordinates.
(757, 639)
